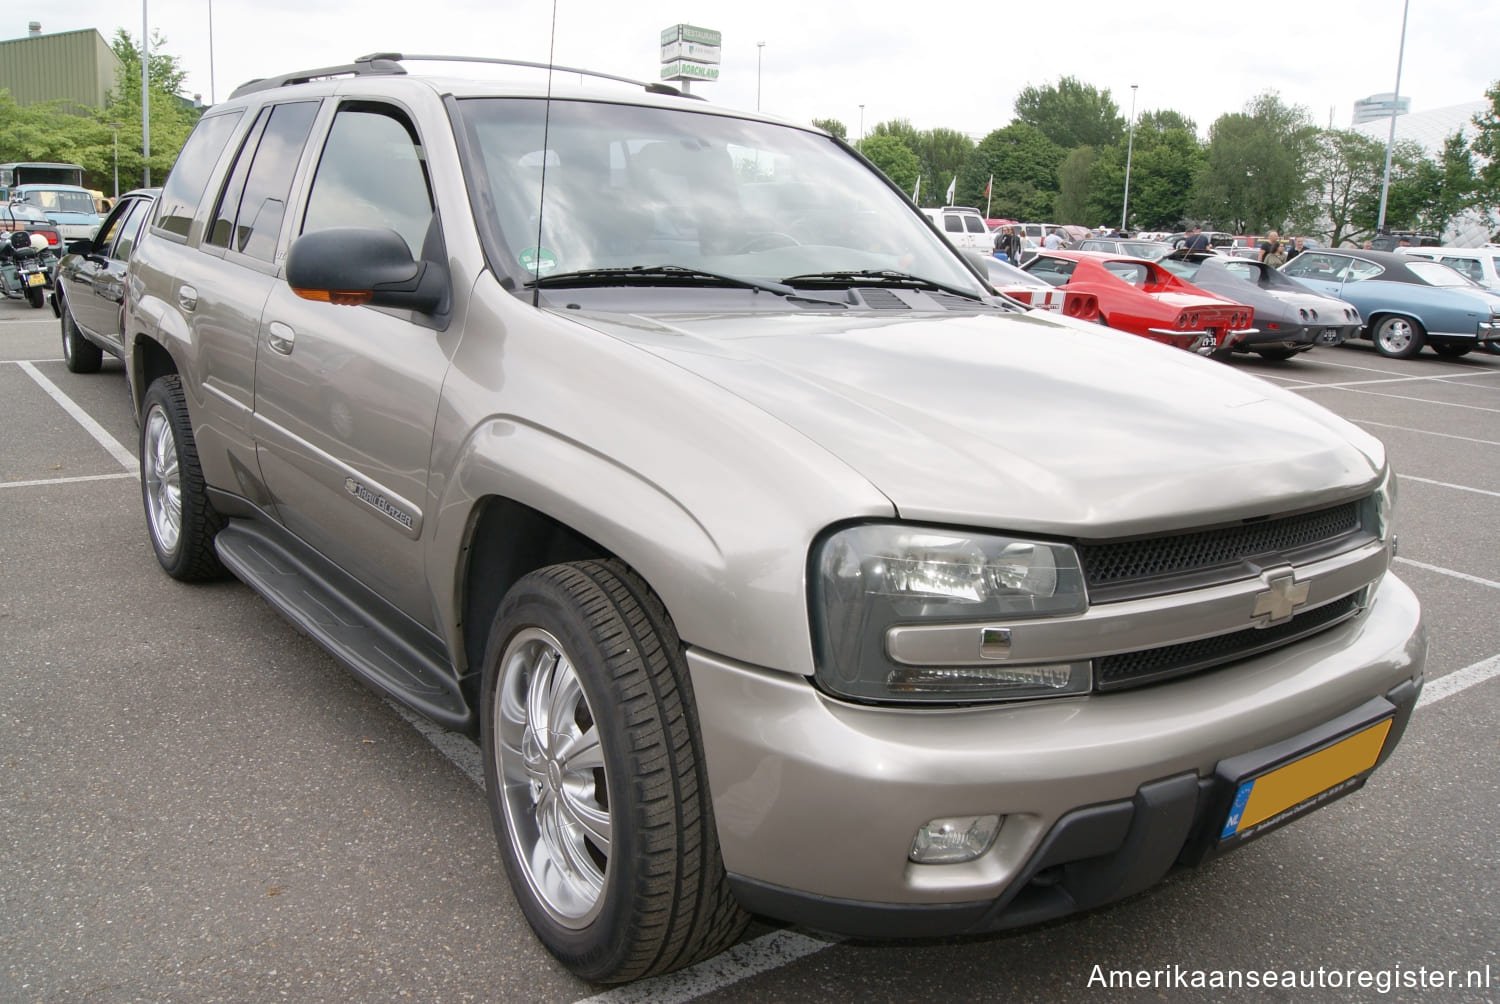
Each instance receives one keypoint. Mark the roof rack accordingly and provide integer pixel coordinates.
(378, 64)
(389, 63)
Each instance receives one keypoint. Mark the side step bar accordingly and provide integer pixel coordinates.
(388, 652)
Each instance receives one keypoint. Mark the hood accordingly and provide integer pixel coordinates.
(1014, 421)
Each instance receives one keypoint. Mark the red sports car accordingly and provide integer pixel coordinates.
(1145, 299)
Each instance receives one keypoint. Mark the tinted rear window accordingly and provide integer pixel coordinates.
(190, 175)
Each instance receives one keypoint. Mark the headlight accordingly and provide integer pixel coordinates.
(1385, 508)
(869, 579)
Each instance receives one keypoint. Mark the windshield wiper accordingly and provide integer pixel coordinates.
(667, 275)
(877, 277)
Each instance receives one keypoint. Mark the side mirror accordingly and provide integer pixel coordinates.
(358, 265)
(83, 245)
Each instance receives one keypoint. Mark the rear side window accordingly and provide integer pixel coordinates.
(189, 177)
(1468, 266)
(253, 205)
(372, 174)
(1056, 271)
(953, 224)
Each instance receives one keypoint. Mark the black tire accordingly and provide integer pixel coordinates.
(1276, 355)
(1451, 350)
(36, 295)
(80, 354)
(652, 895)
(180, 519)
(1397, 337)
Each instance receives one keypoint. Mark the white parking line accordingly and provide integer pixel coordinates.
(110, 443)
(1424, 432)
(67, 481)
(750, 958)
(1445, 484)
(1449, 572)
(1404, 397)
(1459, 680)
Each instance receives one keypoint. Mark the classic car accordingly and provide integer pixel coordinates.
(1291, 317)
(1480, 264)
(1020, 285)
(70, 207)
(90, 288)
(1406, 302)
(1145, 299)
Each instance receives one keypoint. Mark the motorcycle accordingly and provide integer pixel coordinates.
(27, 267)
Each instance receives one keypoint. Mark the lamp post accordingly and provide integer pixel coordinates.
(116, 127)
(1129, 152)
(145, 98)
(760, 48)
(1390, 140)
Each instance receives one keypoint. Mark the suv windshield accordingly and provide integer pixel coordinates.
(61, 201)
(647, 187)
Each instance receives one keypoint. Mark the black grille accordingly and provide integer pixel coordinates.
(1132, 669)
(883, 299)
(1153, 557)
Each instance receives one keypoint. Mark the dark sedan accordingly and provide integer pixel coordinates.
(91, 284)
(1291, 317)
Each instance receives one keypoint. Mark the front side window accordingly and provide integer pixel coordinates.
(1056, 271)
(617, 186)
(372, 173)
(1308, 265)
(130, 230)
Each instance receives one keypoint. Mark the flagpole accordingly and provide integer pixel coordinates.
(989, 195)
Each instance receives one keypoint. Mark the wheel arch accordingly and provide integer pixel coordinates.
(149, 361)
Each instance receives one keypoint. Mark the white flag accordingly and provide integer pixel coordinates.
(952, 187)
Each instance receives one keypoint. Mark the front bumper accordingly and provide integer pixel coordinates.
(817, 801)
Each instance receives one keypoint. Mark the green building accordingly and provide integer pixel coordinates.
(77, 67)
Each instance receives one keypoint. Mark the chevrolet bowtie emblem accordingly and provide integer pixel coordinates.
(1283, 597)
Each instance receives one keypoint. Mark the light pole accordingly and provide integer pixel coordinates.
(861, 128)
(1390, 140)
(760, 49)
(1129, 152)
(116, 127)
(145, 98)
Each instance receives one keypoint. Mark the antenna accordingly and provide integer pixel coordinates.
(541, 196)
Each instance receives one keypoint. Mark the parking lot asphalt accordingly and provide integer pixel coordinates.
(197, 803)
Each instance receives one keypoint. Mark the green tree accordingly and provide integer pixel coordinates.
(1255, 174)
(1024, 164)
(945, 154)
(1452, 184)
(893, 157)
(1071, 113)
(1164, 165)
(172, 117)
(1072, 202)
(1344, 171)
(833, 127)
(1486, 146)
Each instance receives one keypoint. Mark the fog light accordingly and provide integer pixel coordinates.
(955, 840)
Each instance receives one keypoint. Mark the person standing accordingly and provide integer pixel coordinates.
(1197, 240)
(1008, 245)
(1297, 248)
(1052, 241)
(1271, 250)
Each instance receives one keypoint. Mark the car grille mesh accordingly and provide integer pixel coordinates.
(1132, 560)
(1133, 669)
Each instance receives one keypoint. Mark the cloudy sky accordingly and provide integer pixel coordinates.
(955, 64)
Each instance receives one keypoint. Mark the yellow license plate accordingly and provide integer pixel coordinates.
(36, 279)
(1310, 777)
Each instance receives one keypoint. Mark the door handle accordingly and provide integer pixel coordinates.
(187, 298)
(280, 337)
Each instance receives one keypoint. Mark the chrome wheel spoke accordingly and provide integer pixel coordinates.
(582, 753)
(586, 815)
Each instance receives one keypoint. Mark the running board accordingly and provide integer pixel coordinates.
(398, 658)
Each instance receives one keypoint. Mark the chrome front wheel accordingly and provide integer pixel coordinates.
(556, 791)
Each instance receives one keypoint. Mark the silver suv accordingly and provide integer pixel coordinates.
(777, 563)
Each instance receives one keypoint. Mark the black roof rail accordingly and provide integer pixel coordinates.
(377, 63)
(651, 87)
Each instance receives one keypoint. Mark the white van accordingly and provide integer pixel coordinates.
(964, 227)
(1480, 264)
